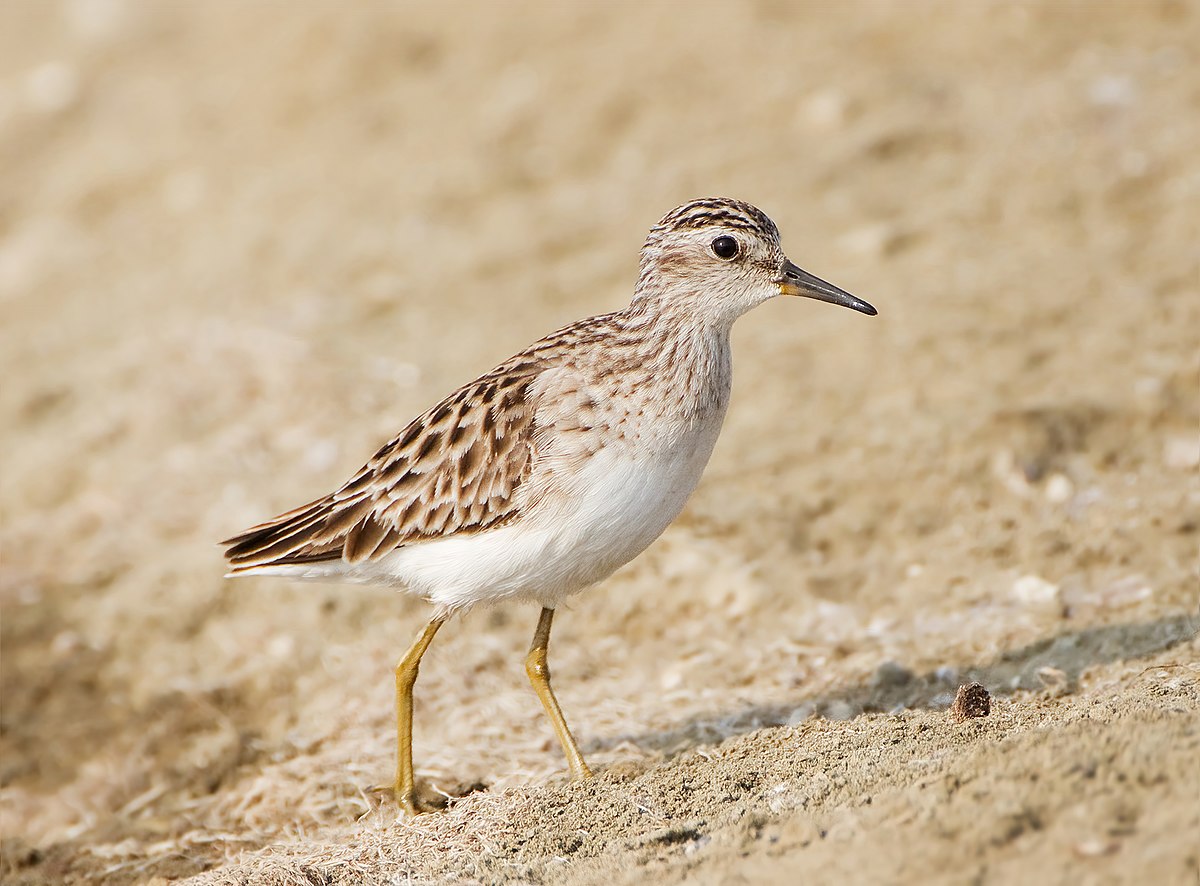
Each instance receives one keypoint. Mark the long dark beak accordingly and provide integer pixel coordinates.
(795, 281)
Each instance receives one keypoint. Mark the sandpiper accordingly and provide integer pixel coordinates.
(546, 474)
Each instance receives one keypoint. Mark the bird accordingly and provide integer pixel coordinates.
(546, 474)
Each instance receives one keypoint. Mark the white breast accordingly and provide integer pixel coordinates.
(616, 503)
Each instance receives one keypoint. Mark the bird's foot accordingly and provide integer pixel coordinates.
(406, 800)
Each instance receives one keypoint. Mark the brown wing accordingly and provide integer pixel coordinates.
(455, 469)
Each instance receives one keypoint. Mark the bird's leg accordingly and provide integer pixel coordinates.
(539, 675)
(406, 676)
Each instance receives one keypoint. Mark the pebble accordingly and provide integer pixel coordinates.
(1059, 489)
(1034, 590)
(1182, 453)
(971, 702)
(281, 646)
(671, 678)
(1095, 848)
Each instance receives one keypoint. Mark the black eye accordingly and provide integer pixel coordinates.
(725, 247)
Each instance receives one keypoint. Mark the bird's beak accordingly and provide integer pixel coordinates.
(794, 281)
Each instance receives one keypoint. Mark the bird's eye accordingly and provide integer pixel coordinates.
(725, 247)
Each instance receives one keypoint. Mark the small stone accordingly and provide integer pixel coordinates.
(1035, 590)
(671, 678)
(1095, 848)
(972, 701)
(281, 646)
(1182, 453)
(1059, 489)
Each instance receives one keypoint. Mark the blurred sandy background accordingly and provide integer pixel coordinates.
(242, 243)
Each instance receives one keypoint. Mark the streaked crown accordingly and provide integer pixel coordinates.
(717, 211)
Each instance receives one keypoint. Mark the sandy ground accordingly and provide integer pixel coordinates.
(242, 243)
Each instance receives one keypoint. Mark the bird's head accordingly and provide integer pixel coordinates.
(721, 258)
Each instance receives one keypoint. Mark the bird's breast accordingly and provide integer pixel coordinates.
(618, 499)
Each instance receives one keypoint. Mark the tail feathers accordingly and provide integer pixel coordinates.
(299, 536)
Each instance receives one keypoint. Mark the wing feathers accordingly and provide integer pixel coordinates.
(455, 469)
(363, 538)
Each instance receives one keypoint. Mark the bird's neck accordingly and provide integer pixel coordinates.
(685, 354)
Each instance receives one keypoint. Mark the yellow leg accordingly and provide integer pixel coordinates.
(406, 676)
(539, 675)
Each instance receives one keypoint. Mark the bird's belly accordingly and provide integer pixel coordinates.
(624, 504)
(610, 510)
